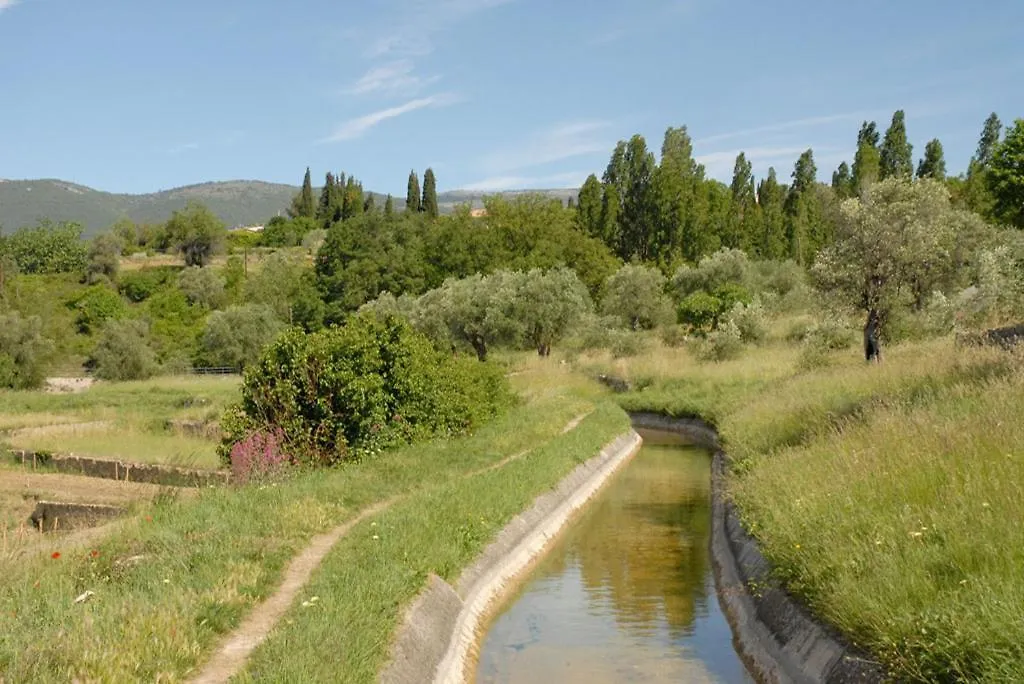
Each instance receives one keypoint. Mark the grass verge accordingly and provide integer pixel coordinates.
(887, 497)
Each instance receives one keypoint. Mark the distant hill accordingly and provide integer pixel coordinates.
(238, 203)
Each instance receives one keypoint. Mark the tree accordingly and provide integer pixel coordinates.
(842, 181)
(897, 154)
(771, 197)
(802, 210)
(123, 352)
(389, 206)
(974, 192)
(638, 207)
(352, 199)
(329, 208)
(47, 248)
(1006, 176)
(589, 207)
(202, 287)
(989, 140)
(636, 295)
(412, 193)
(197, 233)
(681, 202)
(104, 258)
(476, 311)
(742, 226)
(892, 245)
(23, 351)
(288, 286)
(429, 203)
(236, 336)
(867, 161)
(933, 164)
(303, 204)
(97, 305)
(611, 206)
(548, 304)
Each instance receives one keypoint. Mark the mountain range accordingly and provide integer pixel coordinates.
(238, 203)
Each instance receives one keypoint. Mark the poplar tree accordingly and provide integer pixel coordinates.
(842, 181)
(897, 154)
(933, 165)
(867, 159)
(743, 219)
(638, 213)
(429, 204)
(412, 194)
(589, 207)
(771, 197)
(1005, 176)
(802, 210)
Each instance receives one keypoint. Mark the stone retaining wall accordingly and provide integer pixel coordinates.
(121, 470)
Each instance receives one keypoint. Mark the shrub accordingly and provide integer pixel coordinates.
(138, 286)
(104, 258)
(23, 351)
(48, 248)
(750, 319)
(636, 295)
(626, 344)
(722, 344)
(236, 336)
(674, 336)
(175, 325)
(699, 310)
(726, 266)
(349, 391)
(123, 352)
(97, 305)
(202, 287)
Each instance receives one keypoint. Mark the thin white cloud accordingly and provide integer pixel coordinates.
(5, 4)
(809, 122)
(565, 141)
(359, 126)
(392, 78)
(571, 179)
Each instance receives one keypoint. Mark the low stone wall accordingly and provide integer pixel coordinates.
(121, 470)
(50, 516)
(441, 630)
(778, 639)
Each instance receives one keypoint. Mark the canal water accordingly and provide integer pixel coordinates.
(626, 594)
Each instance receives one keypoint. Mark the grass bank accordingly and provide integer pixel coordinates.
(171, 580)
(888, 497)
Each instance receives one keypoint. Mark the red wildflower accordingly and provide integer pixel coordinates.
(55, 555)
(94, 553)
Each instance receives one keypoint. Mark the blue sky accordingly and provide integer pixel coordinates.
(140, 95)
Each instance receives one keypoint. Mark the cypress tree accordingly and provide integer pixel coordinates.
(353, 205)
(369, 204)
(933, 165)
(990, 135)
(389, 206)
(429, 204)
(897, 154)
(325, 208)
(412, 194)
(303, 204)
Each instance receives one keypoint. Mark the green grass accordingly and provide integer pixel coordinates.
(888, 497)
(134, 417)
(200, 565)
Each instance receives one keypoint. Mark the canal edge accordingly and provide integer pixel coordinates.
(441, 631)
(776, 636)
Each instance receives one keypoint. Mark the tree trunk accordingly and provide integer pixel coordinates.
(872, 330)
(479, 346)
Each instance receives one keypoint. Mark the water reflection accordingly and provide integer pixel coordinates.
(626, 595)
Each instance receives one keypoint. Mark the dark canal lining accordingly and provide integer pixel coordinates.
(626, 594)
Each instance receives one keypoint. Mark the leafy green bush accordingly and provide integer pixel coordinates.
(175, 325)
(104, 258)
(123, 352)
(97, 305)
(138, 286)
(236, 336)
(23, 351)
(723, 343)
(349, 391)
(724, 267)
(202, 287)
(699, 310)
(48, 248)
(750, 319)
(636, 295)
(625, 344)
(673, 335)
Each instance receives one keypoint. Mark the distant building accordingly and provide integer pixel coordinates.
(251, 229)
(478, 212)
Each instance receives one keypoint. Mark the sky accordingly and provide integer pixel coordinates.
(143, 95)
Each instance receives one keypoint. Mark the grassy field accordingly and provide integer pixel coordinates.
(127, 421)
(173, 578)
(888, 496)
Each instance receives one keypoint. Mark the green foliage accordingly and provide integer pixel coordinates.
(23, 351)
(897, 154)
(588, 209)
(724, 267)
(771, 197)
(625, 344)
(123, 352)
(429, 204)
(286, 285)
(1006, 176)
(750, 319)
(104, 258)
(236, 337)
(803, 211)
(722, 344)
(197, 233)
(95, 306)
(353, 390)
(548, 305)
(139, 285)
(303, 204)
(202, 287)
(412, 194)
(175, 325)
(636, 296)
(867, 160)
(933, 164)
(242, 240)
(47, 248)
(699, 310)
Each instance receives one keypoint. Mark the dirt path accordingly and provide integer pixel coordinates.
(230, 657)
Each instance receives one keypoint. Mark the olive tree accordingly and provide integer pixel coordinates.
(477, 310)
(236, 336)
(123, 351)
(636, 295)
(23, 351)
(197, 233)
(899, 240)
(202, 287)
(547, 305)
(104, 258)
